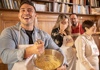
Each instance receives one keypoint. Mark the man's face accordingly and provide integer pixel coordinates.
(74, 20)
(27, 14)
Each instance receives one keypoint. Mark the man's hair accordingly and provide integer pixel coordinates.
(29, 2)
(74, 14)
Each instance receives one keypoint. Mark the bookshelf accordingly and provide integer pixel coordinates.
(68, 6)
(9, 4)
(87, 7)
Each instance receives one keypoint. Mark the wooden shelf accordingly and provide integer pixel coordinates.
(42, 1)
(2, 9)
(46, 12)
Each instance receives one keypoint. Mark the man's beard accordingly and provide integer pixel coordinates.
(73, 24)
(27, 24)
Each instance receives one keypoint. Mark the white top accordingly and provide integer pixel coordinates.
(87, 52)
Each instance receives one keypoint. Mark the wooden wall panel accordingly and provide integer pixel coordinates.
(8, 19)
(82, 18)
(46, 22)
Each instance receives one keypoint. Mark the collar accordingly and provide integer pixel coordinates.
(77, 26)
(20, 28)
(89, 37)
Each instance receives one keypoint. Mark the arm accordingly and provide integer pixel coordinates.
(57, 37)
(36, 48)
(8, 53)
(55, 34)
(80, 45)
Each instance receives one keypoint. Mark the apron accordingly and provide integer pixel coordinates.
(93, 58)
(71, 57)
(70, 54)
(27, 64)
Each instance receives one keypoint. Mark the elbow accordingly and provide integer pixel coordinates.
(3, 61)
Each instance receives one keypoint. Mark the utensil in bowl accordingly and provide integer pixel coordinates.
(51, 60)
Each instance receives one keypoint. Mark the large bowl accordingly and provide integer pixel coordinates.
(51, 60)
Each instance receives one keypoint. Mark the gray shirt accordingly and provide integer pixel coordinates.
(9, 41)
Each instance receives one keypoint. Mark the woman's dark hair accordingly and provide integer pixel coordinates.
(88, 24)
(29, 2)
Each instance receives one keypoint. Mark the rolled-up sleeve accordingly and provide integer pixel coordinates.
(8, 53)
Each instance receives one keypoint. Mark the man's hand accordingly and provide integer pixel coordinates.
(36, 48)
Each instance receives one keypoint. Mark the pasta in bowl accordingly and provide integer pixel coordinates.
(51, 60)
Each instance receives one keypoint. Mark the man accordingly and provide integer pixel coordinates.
(76, 26)
(20, 41)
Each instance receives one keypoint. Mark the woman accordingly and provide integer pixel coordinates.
(60, 29)
(61, 36)
(87, 51)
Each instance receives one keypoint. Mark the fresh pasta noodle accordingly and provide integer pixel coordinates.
(48, 62)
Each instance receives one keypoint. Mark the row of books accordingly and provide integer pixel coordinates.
(10, 4)
(42, 6)
(62, 7)
(81, 9)
(80, 2)
(65, 8)
(55, 7)
(95, 3)
(95, 11)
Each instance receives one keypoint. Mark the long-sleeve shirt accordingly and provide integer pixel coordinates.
(87, 52)
(57, 37)
(9, 41)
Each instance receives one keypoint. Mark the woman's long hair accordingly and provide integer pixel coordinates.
(60, 18)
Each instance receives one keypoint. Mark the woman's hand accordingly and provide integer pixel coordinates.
(62, 32)
(92, 69)
(63, 67)
(68, 41)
